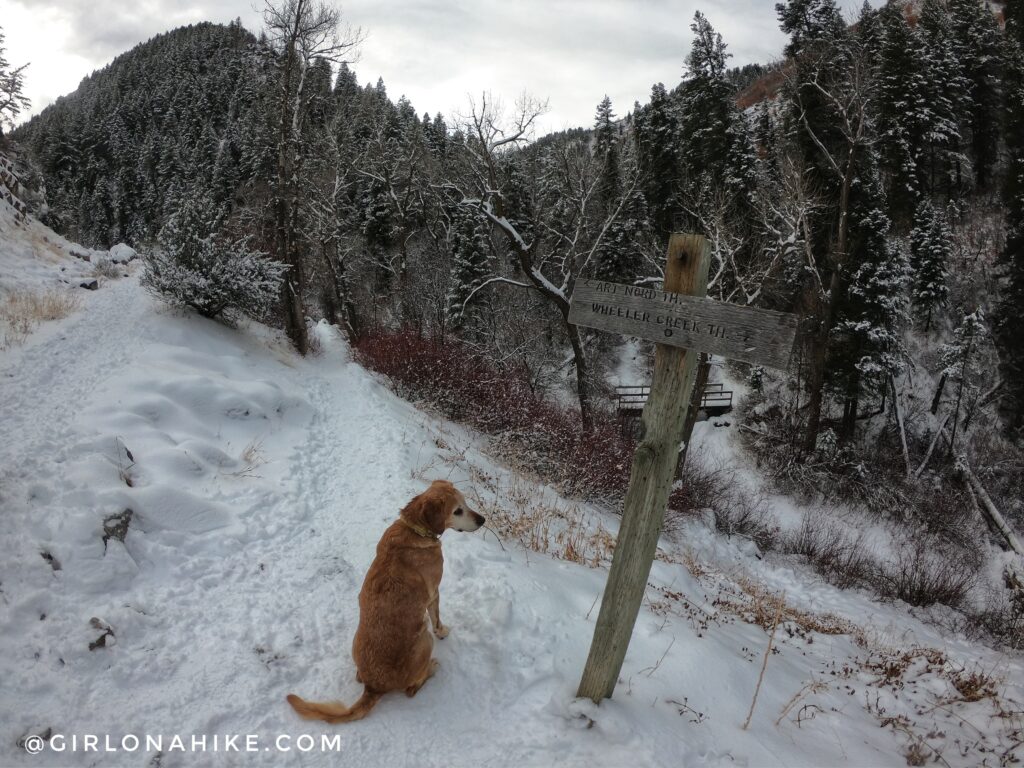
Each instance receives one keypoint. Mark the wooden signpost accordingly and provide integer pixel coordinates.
(684, 323)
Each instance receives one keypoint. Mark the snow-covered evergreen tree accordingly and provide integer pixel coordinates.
(867, 347)
(1010, 317)
(620, 260)
(606, 151)
(470, 251)
(904, 114)
(12, 89)
(195, 267)
(655, 132)
(716, 153)
(613, 254)
(930, 245)
(961, 364)
(944, 162)
(977, 46)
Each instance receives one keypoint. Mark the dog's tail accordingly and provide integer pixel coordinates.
(335, 711)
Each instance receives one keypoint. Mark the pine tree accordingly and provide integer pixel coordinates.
(829, 69)
(196, 267)
(613, 252)
(470, 251)
(12, 89)
(716, 153)
(439, 135)
(976, 44)
(606, 151)
(904, 116)
(620, 260)
(961, 363)
(866, 348)
(819, 43)
(946, 94)
(1010, 315)
(930, 245)
(706, 109)
(655, 133)
(809, 23)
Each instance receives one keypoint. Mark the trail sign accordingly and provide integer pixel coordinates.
(740, 333)
(684, 323)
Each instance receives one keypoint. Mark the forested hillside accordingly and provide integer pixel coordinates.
(871, 180)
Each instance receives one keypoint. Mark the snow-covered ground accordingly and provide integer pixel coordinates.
(258, 484)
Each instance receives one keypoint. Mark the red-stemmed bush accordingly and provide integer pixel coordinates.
(528, 429)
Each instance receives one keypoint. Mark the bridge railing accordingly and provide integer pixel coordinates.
(715, 400)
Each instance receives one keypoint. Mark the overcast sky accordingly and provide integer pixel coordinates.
(435, 52)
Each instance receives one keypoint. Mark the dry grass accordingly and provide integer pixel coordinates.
(22, 311)
(252, 458)
(514, 510)
(105, 268)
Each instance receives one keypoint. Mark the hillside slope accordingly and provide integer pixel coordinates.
(258, 484)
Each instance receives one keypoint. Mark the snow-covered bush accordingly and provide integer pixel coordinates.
(197, 268)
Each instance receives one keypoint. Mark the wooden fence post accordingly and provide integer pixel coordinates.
(654, 470)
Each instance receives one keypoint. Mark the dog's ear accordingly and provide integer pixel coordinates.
(435, 512)
(429, 510)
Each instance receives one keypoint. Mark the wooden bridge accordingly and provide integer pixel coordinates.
(715, 401)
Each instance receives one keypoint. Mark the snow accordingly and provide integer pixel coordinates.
(259, 484)
(34, 257)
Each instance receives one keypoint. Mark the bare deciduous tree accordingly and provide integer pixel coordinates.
(301, 32)
(847, 100)
(561, 248)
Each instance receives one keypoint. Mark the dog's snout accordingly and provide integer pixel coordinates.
(479, 519)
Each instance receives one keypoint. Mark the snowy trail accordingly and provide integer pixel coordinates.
(259, 486)
(46, 378)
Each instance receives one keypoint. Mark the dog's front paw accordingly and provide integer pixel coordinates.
(441, 631)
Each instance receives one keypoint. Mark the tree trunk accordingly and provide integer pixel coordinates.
(849, 426)
(938, 394)
(816, 379)
(292, 285)
(580, 362)
(816, 375)
(696, 397)
(899, 423)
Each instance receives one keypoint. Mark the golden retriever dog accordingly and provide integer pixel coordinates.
(393, 645)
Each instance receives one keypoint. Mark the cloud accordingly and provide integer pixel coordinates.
(434, 51)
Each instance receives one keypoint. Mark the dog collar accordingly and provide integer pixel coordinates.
(419, 530)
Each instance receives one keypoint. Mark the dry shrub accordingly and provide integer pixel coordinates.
(737, 511)
(22, 311)
(835, 553)
(974, 686)
(753, 603)
(923, 573)
(924, 570)
(530, 433)
(1002, 619)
